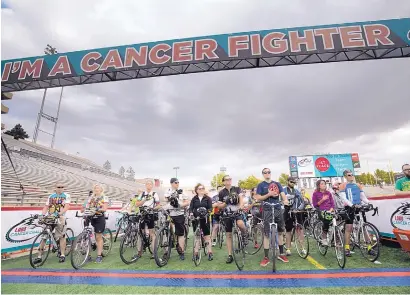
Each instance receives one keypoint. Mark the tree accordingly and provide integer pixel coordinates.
(107, 165)
(283, 179)
(130, 174)
(121, 172)
(217, 179)
(17, 132)
(249, 182)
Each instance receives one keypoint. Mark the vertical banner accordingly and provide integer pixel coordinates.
(293, 166)
(356, 163)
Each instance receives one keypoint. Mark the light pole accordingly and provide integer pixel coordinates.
(49, 50)
(176, 171)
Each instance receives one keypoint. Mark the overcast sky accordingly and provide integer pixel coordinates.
(244, 120)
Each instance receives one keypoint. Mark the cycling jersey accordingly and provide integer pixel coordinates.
(96, 203)
(151, 199)
(181, 197)
(294, 198)
(264, 187)
(227, 196)
(56, 202)
(353, 192)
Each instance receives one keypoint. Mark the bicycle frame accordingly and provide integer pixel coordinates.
(273, 226)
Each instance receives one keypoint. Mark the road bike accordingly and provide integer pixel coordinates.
(273, 231)
(299, 235)
(334, 237)
(254, 226)
(365, 235)
(199, 241)
(85, 242)
(45, 242)
(238, 240)
(122, 224)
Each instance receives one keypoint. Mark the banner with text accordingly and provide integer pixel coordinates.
(331, 165)
(392, 33)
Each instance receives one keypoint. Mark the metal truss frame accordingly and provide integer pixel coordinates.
(212, 66)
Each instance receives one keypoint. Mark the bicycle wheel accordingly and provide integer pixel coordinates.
(197, 243)
(238, 251)
(80, 250)
(42, 237)
(122, 226)
(369, 242)
(317, 233)
(162, 246)
(221, 235)
(130, 242)
(339, 245)
(301, 241)
(107, 242)
(273, 245)
(69, 237)
(255, 240)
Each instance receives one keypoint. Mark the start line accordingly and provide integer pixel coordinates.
(381, 277)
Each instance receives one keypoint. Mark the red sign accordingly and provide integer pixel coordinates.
(322, 164)
(355, 157)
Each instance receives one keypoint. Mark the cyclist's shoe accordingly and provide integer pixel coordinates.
(283, 258)
(98, 259)
(38, 260)
(152, 256)
(89, 258)
(165, 257)
(348, 253)
(62, 259)
(136, 257)
(370, 251)
(229, 259)
(213, 243)
(324, 242)
(304, 252)
(265, 261)
(256, 246)
(288, 253)
(182, 256)
(210, 256)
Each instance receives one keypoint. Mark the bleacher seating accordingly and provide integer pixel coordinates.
(39, 168)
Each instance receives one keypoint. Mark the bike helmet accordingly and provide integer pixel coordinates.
(201, 211)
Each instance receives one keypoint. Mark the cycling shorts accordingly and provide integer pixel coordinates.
(204, 224)
(179, 222)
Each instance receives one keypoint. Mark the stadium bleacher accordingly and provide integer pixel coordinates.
(39, 168)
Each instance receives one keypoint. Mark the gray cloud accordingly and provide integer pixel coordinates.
(243, 119)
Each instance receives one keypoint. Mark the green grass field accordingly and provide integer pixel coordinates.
(390, 258)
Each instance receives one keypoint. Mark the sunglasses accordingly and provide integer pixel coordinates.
(60, 186)
(266, 172)
(176, 182)
(292, 182)
(227, 179)
(349, 174)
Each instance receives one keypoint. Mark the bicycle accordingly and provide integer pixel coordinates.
(273, 233)
(122, 224)
(365, 235)
(255, 231)
(301, 248)
(310, 221)
(47, 238)
(85, 241)
(221, 233)
(164, 239)
(238, 243)
(334, 237)
(199, 241)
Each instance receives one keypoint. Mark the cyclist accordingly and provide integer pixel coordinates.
(57, 205)
(306, 198)
(216, 215)
(296, 202)
(98, 203)
(323, 200)
(354, 196)
(201, 204)
(270, 191)
(177, 202)
(147, 199)
(231, 199)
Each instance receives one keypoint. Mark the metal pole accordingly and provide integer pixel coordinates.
(58, 112)
(39, 117)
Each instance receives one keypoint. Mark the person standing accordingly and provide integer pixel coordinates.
(270, 191)
(176, 203)
(323, 200)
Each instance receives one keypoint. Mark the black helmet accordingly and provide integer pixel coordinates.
(201, 211)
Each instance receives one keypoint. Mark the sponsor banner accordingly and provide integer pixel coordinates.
(17, 232)
(391, 213)
(355, 161)
(305, 166)
(332, 165)
(393, 33)
(293, 165)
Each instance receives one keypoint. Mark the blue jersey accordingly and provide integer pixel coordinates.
(352, 191)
